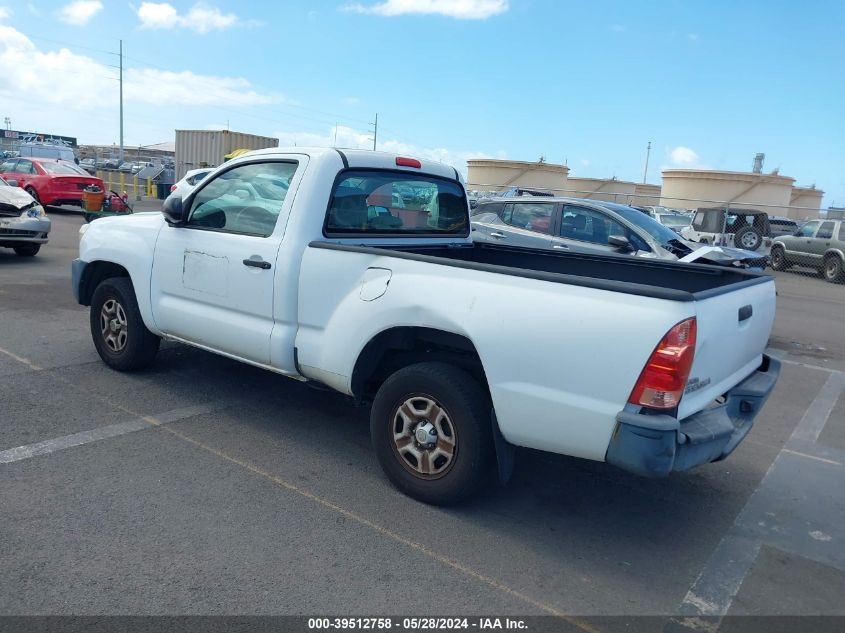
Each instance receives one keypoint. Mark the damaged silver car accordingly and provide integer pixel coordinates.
(594, 227)
(24, 226)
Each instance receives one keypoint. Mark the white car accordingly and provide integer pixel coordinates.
(24, 226)
(292, 260)
(190, 180)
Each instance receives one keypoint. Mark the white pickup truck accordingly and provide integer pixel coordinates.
(356, 270)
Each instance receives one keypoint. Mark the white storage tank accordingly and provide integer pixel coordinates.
(606, 189)
(806, 203)
(693, 188)
(487, 174)
(646, 195)
(207, 148)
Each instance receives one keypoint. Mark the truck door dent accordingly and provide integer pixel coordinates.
(206, 273)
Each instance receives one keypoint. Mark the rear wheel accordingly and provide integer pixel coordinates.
(31, 191)
(748, 238)
(779, 259)
(27, 250)
(120, 336)
(430, 426)
(832, 270)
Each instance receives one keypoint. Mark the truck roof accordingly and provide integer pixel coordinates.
(362, 158)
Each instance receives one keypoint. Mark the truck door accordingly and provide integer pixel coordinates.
(213, 277)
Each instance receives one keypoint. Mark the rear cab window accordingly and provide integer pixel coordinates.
(380, 202)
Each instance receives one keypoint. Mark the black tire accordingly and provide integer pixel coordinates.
(27, 250)
(31, 191)
(779, 261)
(832, 270)
(748, 233)
(467, 409)
(90, 217)
(137, 347)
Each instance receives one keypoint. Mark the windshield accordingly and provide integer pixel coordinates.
(663, 234)
(63, 169)
(675, 220)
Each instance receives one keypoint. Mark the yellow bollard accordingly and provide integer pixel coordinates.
(111, 173)
(122, 183)
(135, 187)
(149, 187)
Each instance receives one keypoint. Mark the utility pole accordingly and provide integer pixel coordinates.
(647, 154)
(335, 134)
(375, 132)
(121, 101)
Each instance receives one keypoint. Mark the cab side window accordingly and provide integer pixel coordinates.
(531, 216)
(842, 231)
(246, 199)
(825, 231)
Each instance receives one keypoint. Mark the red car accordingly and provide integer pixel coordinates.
(49, 181)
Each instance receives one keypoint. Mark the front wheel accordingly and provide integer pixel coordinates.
(431, 429)
(120, 336)
(779, 259)
(27, 250)
(833, 270)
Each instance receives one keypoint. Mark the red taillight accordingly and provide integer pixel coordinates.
(664, 378)
(408, 162)
(172, 187)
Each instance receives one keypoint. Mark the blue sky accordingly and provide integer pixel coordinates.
(590, 83)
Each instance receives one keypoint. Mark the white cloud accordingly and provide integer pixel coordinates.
(201, 17)
(459, 9)
(351, 100)
(77, 82)
(5, 12)
(33, 10)
(80, 12)
(683, 156)
(350, 138)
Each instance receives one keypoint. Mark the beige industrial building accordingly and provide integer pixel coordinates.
(773, 193)
(487, 174)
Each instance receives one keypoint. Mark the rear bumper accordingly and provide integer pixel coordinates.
(655, 445)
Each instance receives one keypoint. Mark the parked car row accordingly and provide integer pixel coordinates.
(49, 182)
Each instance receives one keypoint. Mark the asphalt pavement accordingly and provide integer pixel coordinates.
(205, 486)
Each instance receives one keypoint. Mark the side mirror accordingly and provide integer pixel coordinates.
(12, 183)
(620, 242)
(173, 210)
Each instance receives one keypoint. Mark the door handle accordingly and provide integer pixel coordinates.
(561, 247)
(498, 236)
(257, 263)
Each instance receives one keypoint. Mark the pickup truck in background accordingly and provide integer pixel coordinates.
(299, 261)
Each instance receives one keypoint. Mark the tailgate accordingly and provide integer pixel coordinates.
(732, 331)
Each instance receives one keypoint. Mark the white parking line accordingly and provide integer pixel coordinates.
(21, 359)
(94, 435)
(713, 591)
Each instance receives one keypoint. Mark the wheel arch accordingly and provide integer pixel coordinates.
(94, 274)
(834, 252)
(398, 347)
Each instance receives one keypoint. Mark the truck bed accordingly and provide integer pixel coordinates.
(674, 281)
